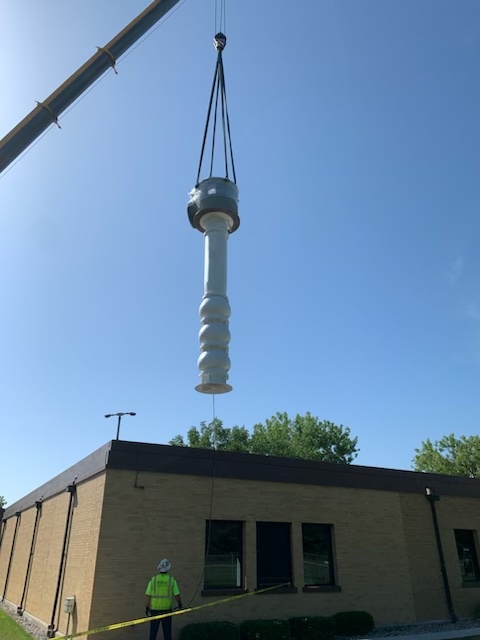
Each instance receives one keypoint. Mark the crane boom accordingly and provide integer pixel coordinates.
(47, 112)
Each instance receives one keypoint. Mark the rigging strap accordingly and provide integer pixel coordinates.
(218, 100)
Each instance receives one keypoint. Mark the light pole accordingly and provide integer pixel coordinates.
(120, 414)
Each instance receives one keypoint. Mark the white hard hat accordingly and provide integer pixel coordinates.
(164, 566)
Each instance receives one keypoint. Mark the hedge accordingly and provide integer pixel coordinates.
(210, 631)
(312, 628)
(353, 623)
(265, 630)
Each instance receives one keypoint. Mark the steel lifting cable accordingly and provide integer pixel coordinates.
(220, 14)
(218, 100)
(217, 95)
(210, 515)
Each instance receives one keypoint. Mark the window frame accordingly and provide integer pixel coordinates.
(332, 584)
(261, 582)
(219, 589)
(473, 548)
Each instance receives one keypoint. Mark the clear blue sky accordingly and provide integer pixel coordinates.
(354, 279)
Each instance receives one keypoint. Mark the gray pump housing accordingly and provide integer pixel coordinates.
(213, 194)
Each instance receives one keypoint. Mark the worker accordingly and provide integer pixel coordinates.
(161, 590)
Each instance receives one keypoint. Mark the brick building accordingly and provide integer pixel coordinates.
(342, 536)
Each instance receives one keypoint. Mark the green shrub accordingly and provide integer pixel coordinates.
(210, 631)
(353, 623)
(312, 628)
(265, 630)
(476, 611)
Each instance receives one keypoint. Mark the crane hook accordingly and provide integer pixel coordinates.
(220, 41)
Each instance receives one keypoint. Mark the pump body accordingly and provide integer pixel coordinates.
(213, 210)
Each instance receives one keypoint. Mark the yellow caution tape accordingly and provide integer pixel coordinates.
(179, 612)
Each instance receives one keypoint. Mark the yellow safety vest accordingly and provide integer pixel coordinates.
(161, 590)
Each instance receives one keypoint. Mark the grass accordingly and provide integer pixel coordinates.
(10, 630)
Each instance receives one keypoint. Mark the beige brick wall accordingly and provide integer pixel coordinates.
(46, 561)
(428, 588)
(10, 590)
(386, 554)
(5, 550)
(427, 584)
(81, 556)
(41, 587)
(20, 559)
(458, 513)
(167, 518)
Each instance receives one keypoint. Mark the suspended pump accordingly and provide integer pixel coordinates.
(213, 210)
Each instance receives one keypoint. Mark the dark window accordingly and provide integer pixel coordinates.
(317, 554)
(223, 554)
(467, 555)
(274, 556)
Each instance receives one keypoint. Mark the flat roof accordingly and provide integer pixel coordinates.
(158, 458)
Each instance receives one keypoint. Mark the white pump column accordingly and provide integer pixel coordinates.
(213, 210)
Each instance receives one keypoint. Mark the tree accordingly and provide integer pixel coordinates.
(304, 437)
(450, 455)
(234, 439)
(3, 502)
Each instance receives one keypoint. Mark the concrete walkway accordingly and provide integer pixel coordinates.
(456, 634)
